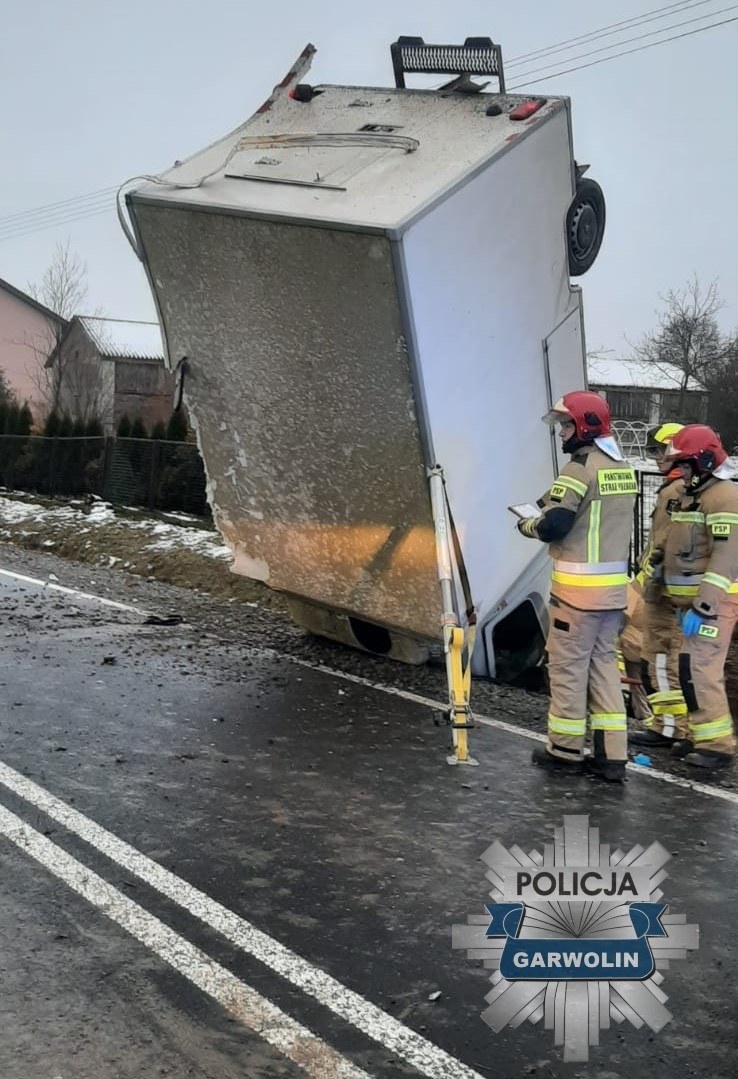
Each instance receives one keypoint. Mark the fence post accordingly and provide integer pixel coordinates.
(154, 474)
(107, 466)
(52, 464)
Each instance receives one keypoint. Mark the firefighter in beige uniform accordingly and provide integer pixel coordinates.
(586, 519)
(662, 634)
(630, 647)
(701, 578)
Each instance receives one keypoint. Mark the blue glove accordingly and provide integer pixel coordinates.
(691, 623)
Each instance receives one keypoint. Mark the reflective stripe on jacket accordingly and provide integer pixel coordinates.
(701, 552)
(590, 569)
(668, 496)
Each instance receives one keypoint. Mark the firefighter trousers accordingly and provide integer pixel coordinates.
(584, 678)
(662, 644)
(631, 646)
(701, 669)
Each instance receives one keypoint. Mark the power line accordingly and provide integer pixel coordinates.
(50, 219)
(628, 40)
(79, 207)
(82, 215)
(606, 31)
(627, 52)
(57, 217)
(104, 191)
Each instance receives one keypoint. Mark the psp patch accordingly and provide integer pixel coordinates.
(708, 631)
(616, 481)
(557, 493)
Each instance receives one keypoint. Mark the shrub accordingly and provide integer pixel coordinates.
(51, 427)
(177, 427)
(25, 420)
(138, 429)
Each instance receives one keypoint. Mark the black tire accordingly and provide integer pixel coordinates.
(585, 226)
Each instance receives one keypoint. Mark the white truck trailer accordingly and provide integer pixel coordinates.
(359, 284)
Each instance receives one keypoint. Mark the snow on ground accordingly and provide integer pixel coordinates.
(23, 515)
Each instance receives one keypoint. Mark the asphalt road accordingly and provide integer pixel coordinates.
(221, 860)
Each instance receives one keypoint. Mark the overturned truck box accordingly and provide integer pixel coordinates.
(354, 286)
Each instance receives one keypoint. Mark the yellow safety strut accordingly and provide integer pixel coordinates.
(455, 640)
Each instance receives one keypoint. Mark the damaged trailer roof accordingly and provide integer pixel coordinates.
(368, 158)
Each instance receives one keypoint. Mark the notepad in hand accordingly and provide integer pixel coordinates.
(525, 510)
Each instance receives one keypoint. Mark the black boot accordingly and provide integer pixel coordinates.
(653, 739)
(681, 747)
(546, 760)
(708, 760)
(602, 768)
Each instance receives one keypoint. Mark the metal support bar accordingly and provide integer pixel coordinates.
(477, 56)
(454, 637)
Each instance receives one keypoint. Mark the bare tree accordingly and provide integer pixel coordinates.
(722, 383)
(81, 392)
(599, 353)
(596, 359)
(7, 397)
(63, 290)
(688, 343)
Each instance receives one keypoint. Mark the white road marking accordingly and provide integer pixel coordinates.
(277, 1028)
(427, 1058)
(500, 725)
(51, 586)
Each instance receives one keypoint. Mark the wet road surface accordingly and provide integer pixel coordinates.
(307, 851)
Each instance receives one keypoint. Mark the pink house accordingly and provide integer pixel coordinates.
(28, 331)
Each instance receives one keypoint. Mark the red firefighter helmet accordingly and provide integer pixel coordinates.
(698, 446)
(588, 411)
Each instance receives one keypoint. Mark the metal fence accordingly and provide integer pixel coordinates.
(632, 435)
(168, 475)
(129, 471)
(648, 488)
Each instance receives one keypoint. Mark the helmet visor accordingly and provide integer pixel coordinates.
(558, 413)
(659, 439)
(657, 450)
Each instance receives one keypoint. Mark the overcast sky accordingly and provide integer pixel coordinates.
(94, 93)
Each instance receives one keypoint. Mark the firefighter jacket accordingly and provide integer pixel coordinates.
(667, 497)
(701, 552)
(586, 519)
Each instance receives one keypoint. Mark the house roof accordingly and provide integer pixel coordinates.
(122, 339)
(632, 374)
(25, 298)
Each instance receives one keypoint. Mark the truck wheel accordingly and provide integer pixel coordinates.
(585, 226)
